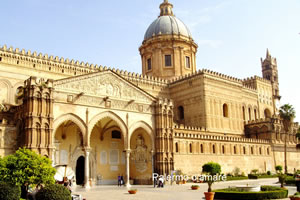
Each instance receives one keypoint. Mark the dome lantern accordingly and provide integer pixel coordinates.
(166, 8)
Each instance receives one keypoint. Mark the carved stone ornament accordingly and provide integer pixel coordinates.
(102, 84)
(140, 155)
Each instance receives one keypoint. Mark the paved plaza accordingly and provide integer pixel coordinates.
(169, 192)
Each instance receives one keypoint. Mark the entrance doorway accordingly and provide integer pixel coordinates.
(80, 171)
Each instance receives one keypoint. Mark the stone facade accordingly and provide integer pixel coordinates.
(105, 122)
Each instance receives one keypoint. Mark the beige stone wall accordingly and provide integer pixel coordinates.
(156, 48)
(190, 95)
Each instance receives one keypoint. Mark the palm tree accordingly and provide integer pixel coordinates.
(287, 115)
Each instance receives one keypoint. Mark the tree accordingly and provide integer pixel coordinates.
(212, 169)
(26, 166)
(287, 115)
(278, 168)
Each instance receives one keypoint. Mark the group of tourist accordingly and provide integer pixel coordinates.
(158, 182)
(120, 180)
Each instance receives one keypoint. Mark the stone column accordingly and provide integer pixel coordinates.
(127, 168)
(53, 157)
(152, 159)
(87, 169)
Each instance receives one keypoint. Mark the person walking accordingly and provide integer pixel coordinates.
(119, 180)
(122, 180)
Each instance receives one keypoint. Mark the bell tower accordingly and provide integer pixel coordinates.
(270, 72)
(168, 49)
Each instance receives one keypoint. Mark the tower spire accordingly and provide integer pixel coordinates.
(268, 53)
(166, 9)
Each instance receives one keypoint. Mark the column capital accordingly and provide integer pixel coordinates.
(87, 149)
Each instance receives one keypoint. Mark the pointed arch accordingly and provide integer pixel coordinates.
(110, 115)
(143, 125)
(69, 117)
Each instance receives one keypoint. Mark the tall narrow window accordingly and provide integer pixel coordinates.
(255, 114)
(225, 110)
(244, 116)
(180, 113)
(191, 150)
(234, 149)
(201, 148)
(249, 111)
(187, 62)
(214, 149)
(268, 151)
(223, 149)
(260, 152)
(168, 61)
(0, 59)
(176, 147)
(244, 150)
(149, 66)
(252, 152)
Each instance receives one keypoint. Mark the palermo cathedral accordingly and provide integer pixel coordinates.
(104, 122)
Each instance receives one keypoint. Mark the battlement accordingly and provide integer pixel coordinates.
(68, 67)
(208, 72)
(45, 62)
(200, 134)
(256, 78)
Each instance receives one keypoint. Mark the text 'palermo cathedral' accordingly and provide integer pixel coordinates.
(104, 122)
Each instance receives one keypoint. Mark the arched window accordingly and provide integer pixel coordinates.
(268, 151)
(201, 148)
(234, 149)
(252, 152)
(225, 110)
(191, 150)
(244, 116)
(255, 114)
(223, 149)
(176, 147)
(244, 150)
(180, 113)
(249, 111)
(260, 151)
(267, 113)
(213, 148)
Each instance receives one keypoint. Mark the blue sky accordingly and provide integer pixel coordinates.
(232, 34)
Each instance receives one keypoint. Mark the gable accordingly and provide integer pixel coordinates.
(103, 84)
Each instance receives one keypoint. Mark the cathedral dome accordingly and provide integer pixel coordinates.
(167, 24)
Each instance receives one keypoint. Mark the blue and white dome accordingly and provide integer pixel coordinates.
(167, 25)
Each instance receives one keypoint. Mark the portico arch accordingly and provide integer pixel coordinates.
(110, 115)
(145, 126)
(69, 117)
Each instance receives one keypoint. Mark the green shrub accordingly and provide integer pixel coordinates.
(211, 168)
(252, 176)
(268, 173)
(278, 168)
(9, 192)
(254, 171)
(267, 176)
(290, 180)
(54, 192)
(268, 192)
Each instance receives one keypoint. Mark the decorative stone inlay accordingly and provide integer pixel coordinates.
(103, 84)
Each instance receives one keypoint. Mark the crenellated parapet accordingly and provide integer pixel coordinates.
(44, 62)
